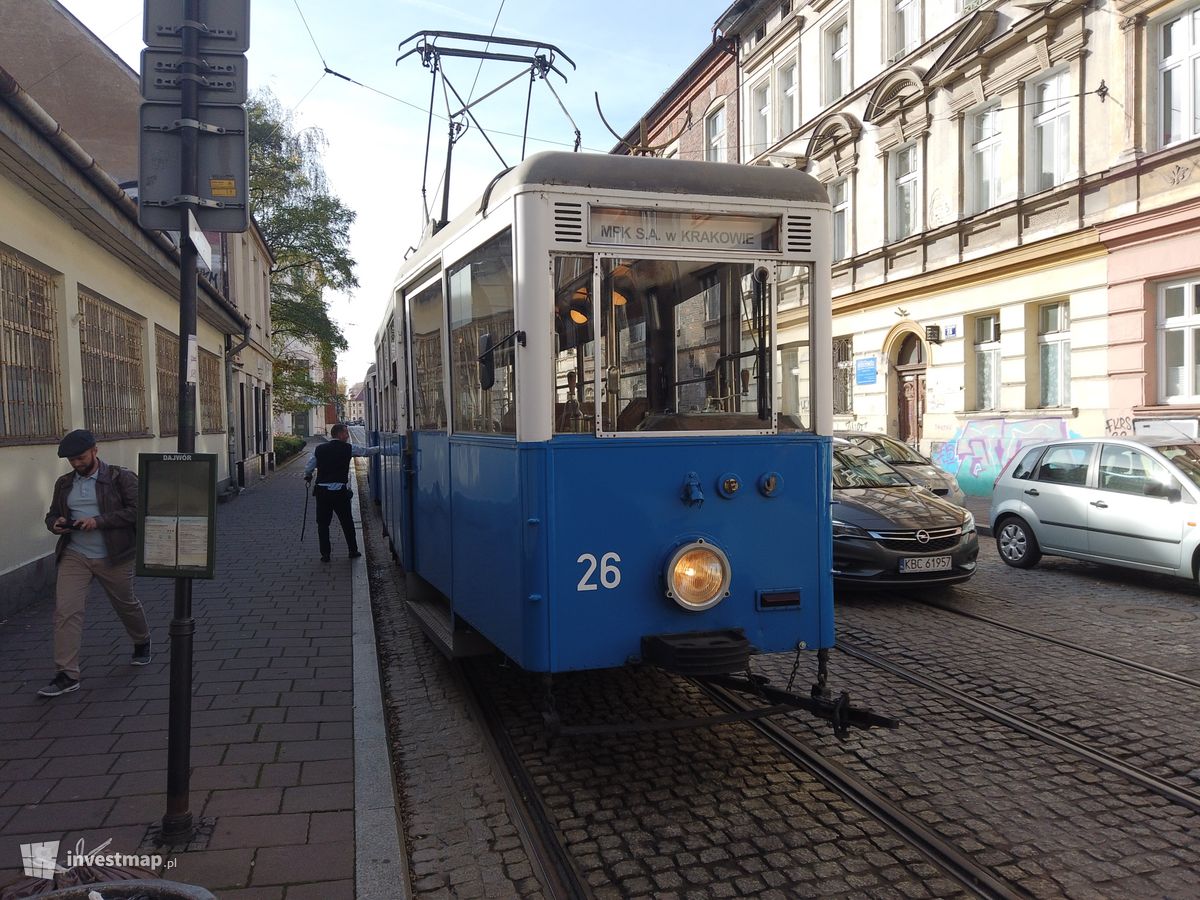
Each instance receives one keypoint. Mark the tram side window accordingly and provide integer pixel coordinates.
(793, 359)
(481, 315)
(685, 347)
(574, 345)
(429, 402)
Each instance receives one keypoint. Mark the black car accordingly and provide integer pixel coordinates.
(888, 532)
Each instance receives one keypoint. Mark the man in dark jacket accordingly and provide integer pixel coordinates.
(331, 462)
(94, 511)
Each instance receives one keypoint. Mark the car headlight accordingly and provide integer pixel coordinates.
(969, 522)
(845, 529)
(697, 576)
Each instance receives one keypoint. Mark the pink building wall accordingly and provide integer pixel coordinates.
(1144, 250)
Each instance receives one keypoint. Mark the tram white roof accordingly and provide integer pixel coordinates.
(611, 172)
(601, 171)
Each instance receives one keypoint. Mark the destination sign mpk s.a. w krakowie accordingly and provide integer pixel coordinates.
(683, 230)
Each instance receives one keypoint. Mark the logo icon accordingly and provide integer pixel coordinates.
(922, 536)
(40, 860)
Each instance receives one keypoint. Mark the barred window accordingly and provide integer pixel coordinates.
(843, 375)
(211, 420)
(30, 402)
(114, 388)
(166, 356)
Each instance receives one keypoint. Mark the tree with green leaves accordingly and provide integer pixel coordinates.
(308, 231)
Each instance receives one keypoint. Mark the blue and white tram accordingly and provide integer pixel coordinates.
(606, 394)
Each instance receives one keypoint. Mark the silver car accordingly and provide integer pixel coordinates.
(1131, 502)
(915, 468)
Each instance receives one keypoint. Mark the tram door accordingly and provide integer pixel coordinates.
(428, 523)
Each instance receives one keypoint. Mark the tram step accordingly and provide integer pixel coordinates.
(434, 616)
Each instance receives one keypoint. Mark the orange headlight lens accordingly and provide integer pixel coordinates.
(698, 575)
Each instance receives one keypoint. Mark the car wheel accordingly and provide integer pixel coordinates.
(1016, 543)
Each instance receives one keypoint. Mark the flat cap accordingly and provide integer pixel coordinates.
(76, 442)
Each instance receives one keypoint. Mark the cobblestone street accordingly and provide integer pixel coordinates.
(718, 812)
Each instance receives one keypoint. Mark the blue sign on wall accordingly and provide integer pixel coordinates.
(864, 370)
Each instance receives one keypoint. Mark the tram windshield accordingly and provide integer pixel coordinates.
(685, 345)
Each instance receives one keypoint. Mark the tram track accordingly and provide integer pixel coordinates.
(1145, 779)
(1061, 642)
(974, 878)
(552, 862)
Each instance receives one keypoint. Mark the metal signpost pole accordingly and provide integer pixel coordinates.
(177, 823)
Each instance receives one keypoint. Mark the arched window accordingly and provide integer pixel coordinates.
(912, 352)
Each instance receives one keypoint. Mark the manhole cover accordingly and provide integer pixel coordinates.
(1149, 614)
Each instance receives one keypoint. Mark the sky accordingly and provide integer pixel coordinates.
(627, 51)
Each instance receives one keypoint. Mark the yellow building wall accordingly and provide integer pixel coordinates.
(28, 472)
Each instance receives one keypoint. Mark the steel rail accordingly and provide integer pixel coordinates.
(551, 861)
(1139, 776)
(976, 878)
(1070, 645)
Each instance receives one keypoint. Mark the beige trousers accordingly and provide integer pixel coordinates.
(75, 574)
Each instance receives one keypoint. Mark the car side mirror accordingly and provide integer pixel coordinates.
(487, 362)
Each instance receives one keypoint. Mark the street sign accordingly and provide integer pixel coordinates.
(227, 25)
(199, 241)
(222, 77)
(222, 162)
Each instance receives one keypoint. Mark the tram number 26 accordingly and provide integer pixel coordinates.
(606, 569)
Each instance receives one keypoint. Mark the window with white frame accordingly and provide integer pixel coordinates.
(1179, 341)
(787, 99)
(987, 361)
(906, 32)
(837, 65)
(1049, 132)
(1179, 77)
(906, 191)
(1054, 353)
(714, 135)
(840, 201)
(760, 117)
(984, 158)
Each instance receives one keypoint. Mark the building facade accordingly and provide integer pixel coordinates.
(1015, 208)
(89, 310)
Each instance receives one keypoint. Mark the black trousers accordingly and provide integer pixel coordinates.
(329, 503)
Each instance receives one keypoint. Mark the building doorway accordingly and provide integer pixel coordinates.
(910, 374)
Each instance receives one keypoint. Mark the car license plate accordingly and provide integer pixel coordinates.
(925, 564)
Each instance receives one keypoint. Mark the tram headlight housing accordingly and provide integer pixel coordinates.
(697, 576)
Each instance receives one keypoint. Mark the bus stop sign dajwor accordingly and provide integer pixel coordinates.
(177, 512)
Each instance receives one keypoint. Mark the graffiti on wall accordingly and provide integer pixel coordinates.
(979, 450)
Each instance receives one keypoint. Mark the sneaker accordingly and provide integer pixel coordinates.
(354, 554)
(324, 557)
(141, 654)
(62, 684)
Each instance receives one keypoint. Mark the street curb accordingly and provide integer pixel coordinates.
(380, 860)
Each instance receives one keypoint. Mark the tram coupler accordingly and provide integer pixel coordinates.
(838, 711)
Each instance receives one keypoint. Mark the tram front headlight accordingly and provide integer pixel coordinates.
(698, 576)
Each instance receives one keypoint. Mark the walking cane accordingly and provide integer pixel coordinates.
(304, 521)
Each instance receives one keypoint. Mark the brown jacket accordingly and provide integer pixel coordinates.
(117, 495)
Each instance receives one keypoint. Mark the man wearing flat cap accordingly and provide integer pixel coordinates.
(93, 512)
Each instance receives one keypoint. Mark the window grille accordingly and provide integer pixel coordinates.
(114, 388)
(843, 375)
(30, 402)
(166, 356)
(211, 420)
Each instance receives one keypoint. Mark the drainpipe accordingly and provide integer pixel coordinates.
(230, 350)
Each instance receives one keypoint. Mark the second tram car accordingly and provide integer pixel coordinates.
(599, 450)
